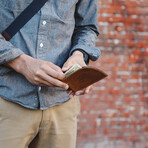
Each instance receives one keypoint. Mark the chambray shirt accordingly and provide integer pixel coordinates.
(58, 29)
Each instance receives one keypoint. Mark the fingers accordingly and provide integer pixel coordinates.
(67, 65)
(55, 67)
(88, 89)
(45, 83)
(84, 91)
(71, 95)
(80, 92)
(55, 72)
(75, 58)
(45, 79)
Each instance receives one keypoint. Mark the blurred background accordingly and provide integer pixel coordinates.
(115, 113)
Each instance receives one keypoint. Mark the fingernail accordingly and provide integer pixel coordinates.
(61, 73)
(64, 68)
(77, 93)
(87, 91)
(66, 87)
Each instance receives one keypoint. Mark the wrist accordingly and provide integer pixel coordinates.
(78, 53)
(18, 63)
(85, 55)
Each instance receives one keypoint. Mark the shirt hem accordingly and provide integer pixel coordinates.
(33, 108)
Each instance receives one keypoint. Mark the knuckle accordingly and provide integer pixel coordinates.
(60, 84)
(49, 63)
(43, 66)
(59, 76)
(63, 85)
(58, 69)
(56, 75)
(54, 82)
(36, 79)
(38, 73)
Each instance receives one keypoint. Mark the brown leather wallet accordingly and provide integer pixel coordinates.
(84, 77)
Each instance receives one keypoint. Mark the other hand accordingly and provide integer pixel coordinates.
(76, 58)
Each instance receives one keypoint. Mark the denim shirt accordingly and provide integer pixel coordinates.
(58, 29)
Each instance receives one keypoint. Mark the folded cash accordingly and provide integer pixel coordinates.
(72, 69)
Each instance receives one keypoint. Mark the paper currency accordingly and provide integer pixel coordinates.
(72, 69)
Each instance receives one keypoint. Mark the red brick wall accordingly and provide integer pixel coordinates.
(115, 113)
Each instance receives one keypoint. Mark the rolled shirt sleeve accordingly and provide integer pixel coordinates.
(86, 28)
(7, 51)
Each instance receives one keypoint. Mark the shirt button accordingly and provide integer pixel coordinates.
(44, 22)
(39, 88)
(41, 45)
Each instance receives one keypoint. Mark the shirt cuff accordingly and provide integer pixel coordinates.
(11, 55)
(92, 52)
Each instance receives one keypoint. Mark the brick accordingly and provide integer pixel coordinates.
(115, 114)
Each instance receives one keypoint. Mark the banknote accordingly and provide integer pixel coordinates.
(72, 69)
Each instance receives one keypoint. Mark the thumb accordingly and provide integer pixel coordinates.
(66, 66)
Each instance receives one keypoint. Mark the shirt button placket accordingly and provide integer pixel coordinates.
(42, 43)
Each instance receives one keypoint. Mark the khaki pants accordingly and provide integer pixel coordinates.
(52, 128)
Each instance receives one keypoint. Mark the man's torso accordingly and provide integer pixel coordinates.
(46, 36)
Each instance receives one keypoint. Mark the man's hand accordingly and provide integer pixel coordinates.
(76, 58)
(38, 72)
